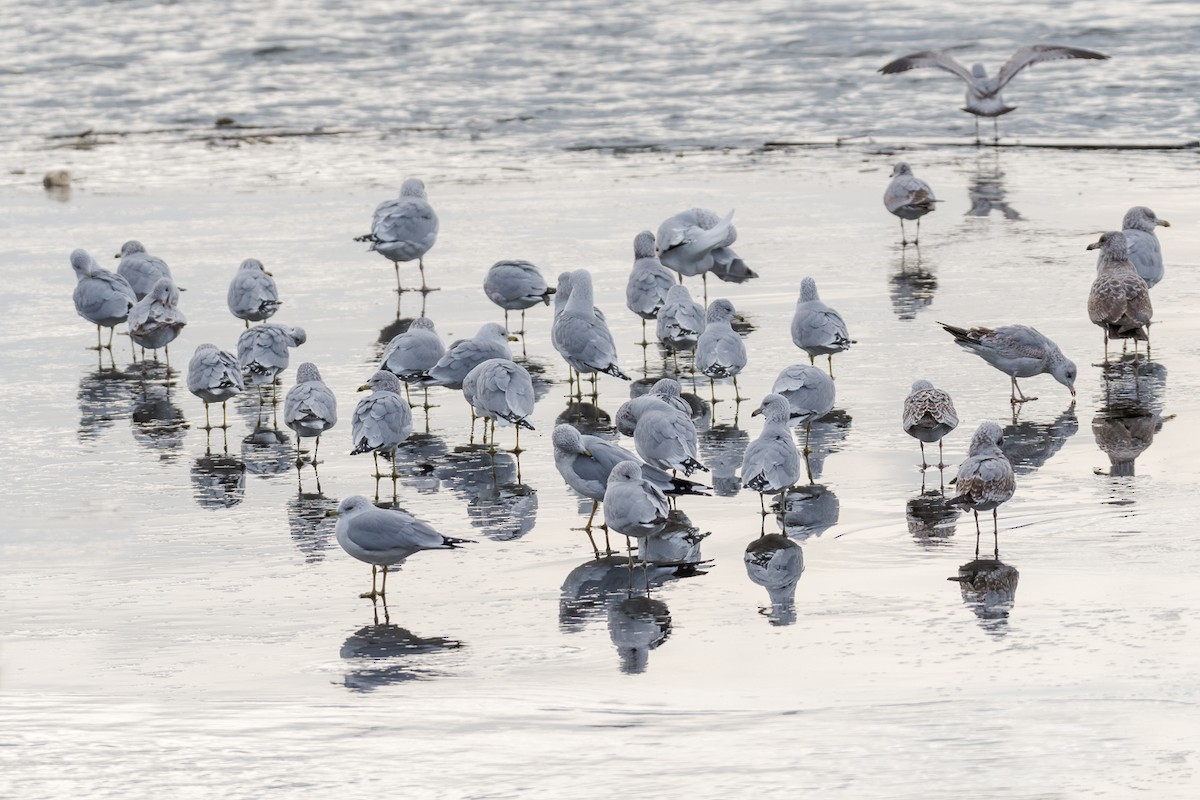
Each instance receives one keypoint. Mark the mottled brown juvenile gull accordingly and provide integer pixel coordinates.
(263, 350)
(1145, 253)
(491, 341)
(405, 228)
(1019, 352)
(816, 328)
(141, 269)
(101, 297)
(1119, 300)
(680, 320)
(384, 537)
(985, 479)
(928, 416)
(649, 281)
(720, 352)
(516, 286)
(155, 320)
(214, 376)
(310, 407)
(908, 197)
(983, 93)
(583, 337)
(253, 295)
(667, 439)
(382, 420)
(771, 463)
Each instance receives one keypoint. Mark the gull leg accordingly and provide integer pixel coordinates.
(917, 240)
(976, 534)
(375, 455)
(316, 446)
(807, 433)
(399, 289)
(224, 415)
(996, 535)
(977, 142)
(830, 365)
(592, 516)
(923, 464)
(704, 278)
(110, 335)
(247, 324)
(371, 595)
(383, 586)
(941, 459)
(995, 130)
(421, 266)
(207, 424)
(903, 240)
(762, 504)
(298, 460)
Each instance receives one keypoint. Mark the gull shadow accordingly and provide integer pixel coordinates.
(775, 563)
(989, 588)
(218, 481)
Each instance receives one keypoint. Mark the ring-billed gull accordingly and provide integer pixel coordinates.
(141, 269)
(1119, 300)
(263, 350)
(809, 391)
(404, 228)
(816, 328)
(516, 286)
(411, 353)
(649, 281)
(214, 376)
(771, 463)
(908, 197)
(680, 320)
(633, 505)
(384, 537)
(1018, 351)
(1145, 253)
(491, 341)
(382, 420)
(667, 439)
(985, 479)
(583, 337)
(253, 295)
(501, 391)
(983, 93)
(310, 407)
(101, 297)
(155, 320)
(776, 563)
(720, 352)
(928, 416)
(696, 242)
(665, 393)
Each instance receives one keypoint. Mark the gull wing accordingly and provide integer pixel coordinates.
(929, 58)
(1036, 54)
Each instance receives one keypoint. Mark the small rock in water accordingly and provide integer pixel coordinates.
(56, 177)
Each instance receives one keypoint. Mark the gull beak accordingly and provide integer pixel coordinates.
(331, 513)
(588, 453)
(268, 272)
(364, 388)
(1072, 388)
(1093, 245)
(512, 338)
(1163, 222)
(756, 412)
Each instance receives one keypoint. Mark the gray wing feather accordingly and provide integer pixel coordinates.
(378, 530)
(928, 58)
(1036, 54)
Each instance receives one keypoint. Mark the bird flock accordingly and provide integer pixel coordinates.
(638, 488)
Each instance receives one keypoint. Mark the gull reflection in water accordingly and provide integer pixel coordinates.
(157, 422)
(930, 521)
(105, 396)
(590, 419)
(1125, 426)
(539, 374)
(822, 437)
(218, 481)
(504, 512)
(776, 563)
(596, 584)
(381, 654)
(637, 625)
(808, 511)
(721, 450)
(267, 450)
(985, 191)
(989, 588)
(310, 524)
(676, 545)
(911, 285)
(1029, 445)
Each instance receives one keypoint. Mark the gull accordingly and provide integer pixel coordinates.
(985, 479)
(633, 505)
(490, 341)
(382, 420)
(501, 391)
(649, 281)
(720, 352)
(309, 408)
(141, 269)
(253, 296)
(666, 393)
(411, 354)
(696, 242)
(101, 297)
(1144, 251)
(983, 93)
(771, 463)
(155, 320)
(214, 376)
(928, 416)
(1019, 352)
(404, 228)
(1119, 300)
(666, 438)
(583, 337)
(561, 296)
(908, 197)
(680, 320)
(810, 394)
(816, 328)
(384, 537)
(263, 350)
(516, 286)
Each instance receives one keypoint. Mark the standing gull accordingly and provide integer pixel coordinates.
(771, 463)
(404, 228)
(928, 416)
(214, 376)
(649, 281)
(382, 420)
(634, 506)
(810, 394)
(666, 393)
(983, 93)
(583, 337)
(720, 352)
(680, 320)
(985, 479)
(501, 391)
(101, 297)
(263, 350)
(491, 341)
(516, 286)
(908, 197)
(385, 537)
(1119, 301)
(411, 353)
(309, 408)
(696, 242)
(1019, 352)
(816, 328)
(667, 439)
(1144, 251)
(155, 320)
(141, 269)
(253, 295)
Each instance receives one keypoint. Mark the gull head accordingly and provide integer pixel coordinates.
(1113, 246)
(720, 311)
(354, 504)
(253, 264)
(307, 372)
(626, 471)
(989, 434)
(166, 292)
(298, 335)
(1141, 218)
(808, 290)
(413, 187)
(1063, 370)
(901, 168)
(204, 348)
(495, 331)
(421, 324)
(567, 439)
(679, 294)
(920, 385)
(667, 387)
(381, 381)
(132, 246)
(82, 263)
(978, 71)
(774, 409)
(644, 245)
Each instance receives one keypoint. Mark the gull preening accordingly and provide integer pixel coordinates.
(680, 320)
(516, 286)
(634, 506)
(928, 416)
(384, 537)
(985, 479)
(697, 242)
(667, 439)
(983, 93)
(908, 197)
(155, 320)
(405, 228)
(141, 269)
(1018, 351)
(101, 297)
(665, 393)
(1119, 300)
(1144, 251)
(809, 391)
(310, 407)
(410, 354)
(214, 376)
(816, 328)
(252, 296)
